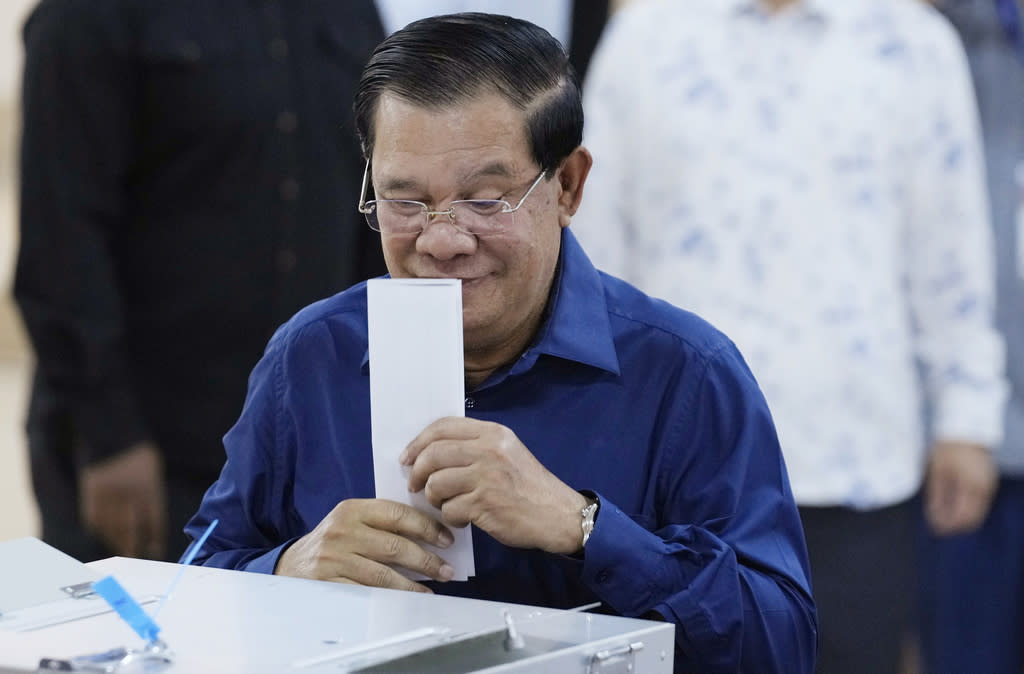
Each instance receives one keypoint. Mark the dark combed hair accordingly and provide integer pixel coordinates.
(440, 61)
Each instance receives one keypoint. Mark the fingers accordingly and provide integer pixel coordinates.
(444, 487)
(940, 505)
(405, 521)
(398, 582)
(132, 523)
(364, 540)
(459, 511)
(394, 550)
(458, 442)
(955, 507)
(481, 473)
(115, 520)
(123, 501)
(438, 456)
(121, 528)
(446, 428)
(154, 543)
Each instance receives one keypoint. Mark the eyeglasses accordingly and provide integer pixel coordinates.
(401, 217)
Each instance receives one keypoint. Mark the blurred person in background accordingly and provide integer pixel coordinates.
(186, 174)
(188, 180)
(972, 611)
(808, 176)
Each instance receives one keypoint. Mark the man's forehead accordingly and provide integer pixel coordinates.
(481, 137)
(477, 118)
(403, 176)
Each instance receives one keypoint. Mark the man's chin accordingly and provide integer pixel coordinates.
(475, 324)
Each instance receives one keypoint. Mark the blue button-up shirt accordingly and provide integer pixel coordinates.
(622, 394)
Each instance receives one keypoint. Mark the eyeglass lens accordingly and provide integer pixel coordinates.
(397, 217)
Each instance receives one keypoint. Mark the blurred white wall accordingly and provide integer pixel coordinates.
(18, 516)
(12, 14)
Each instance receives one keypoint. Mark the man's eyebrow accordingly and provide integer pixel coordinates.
(396, 184)
(497, 169)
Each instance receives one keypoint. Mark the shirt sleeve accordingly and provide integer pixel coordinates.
(727, 562)
(79, 126)
(950, 269)
(248, 500)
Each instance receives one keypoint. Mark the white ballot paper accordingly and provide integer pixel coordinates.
(416, 377)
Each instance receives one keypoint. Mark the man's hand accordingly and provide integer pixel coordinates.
(480, 472)
(122, 501)
(361, 539)
(961, 482)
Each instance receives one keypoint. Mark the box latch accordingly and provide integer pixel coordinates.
(615, 660)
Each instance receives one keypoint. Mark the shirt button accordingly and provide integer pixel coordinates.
(603, 576)
(279, 49)
(287, 121)
(289, 189)
(470, 403)
(286, 260)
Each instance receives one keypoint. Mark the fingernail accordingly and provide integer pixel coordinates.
(446, 572)
(445, 538)
(403, 458)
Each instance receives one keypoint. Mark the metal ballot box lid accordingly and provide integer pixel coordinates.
(231, 621)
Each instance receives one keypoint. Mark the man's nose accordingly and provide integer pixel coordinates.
(443, 239)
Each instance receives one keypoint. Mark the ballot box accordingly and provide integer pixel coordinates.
(221, 621)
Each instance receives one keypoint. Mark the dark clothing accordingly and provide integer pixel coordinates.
(972, 599)
(189, 180)
(861, 612)
(588, 20)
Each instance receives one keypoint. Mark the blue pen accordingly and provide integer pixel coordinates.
(130, 610)
(189, 556)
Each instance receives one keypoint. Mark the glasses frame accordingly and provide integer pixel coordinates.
(366, 209)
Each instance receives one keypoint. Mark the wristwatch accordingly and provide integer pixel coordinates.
(589, 514)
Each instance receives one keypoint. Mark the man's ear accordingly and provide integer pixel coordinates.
(571, 175)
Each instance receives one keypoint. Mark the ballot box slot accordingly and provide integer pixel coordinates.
(466, 655)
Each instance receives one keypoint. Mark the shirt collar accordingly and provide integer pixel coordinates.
(576, 326)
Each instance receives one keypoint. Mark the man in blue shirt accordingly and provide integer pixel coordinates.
(589, 402)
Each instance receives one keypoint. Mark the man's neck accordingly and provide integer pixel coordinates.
(481, 361)
(476, 377)
(478, 367)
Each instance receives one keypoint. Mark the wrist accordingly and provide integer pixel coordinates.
(588, 517)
